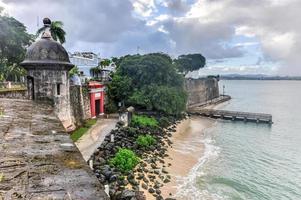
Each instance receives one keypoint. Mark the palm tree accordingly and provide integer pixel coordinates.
(56, 30)
(95, 72)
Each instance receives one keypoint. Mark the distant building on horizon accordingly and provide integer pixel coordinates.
(84, 61)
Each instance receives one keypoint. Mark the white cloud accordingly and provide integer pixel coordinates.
(175, 26)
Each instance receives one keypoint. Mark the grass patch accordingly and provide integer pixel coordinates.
(78, 133)
(145, 140)
(144, 121)
(125, 160)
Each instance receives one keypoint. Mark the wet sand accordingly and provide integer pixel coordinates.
(186, 150)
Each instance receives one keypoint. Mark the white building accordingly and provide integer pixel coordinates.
(84, 61)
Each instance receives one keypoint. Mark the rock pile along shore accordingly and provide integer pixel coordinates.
(150, 174)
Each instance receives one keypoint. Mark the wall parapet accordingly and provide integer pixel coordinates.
(14, 93)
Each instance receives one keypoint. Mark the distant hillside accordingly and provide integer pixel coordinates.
(257, 77)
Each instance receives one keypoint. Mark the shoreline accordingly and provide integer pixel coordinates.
(185, 152)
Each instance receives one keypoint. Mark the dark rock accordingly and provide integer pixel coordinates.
(154, 166)
(158, 191)
(164, 170)
(125, 182)
(151, 190)
(145, 180)
(127, 194)
(166, 180)
(102, 178)
(144, 186)
(159, 197)
(133, 182)
(113, 178)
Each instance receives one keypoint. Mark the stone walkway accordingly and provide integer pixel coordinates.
(89, 142)
(38, 159)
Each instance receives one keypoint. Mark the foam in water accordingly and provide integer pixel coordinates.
(187, 185)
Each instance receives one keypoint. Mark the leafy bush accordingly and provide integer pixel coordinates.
(169, 100)
(149, 81)
(145, 141)
(144, 121)
(164, 122)
(124, 160)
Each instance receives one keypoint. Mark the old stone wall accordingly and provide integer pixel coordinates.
(52, 85)
(14, 94)
(201, 90)
(80, 104)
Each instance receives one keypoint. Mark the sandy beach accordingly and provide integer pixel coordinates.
(185, 152)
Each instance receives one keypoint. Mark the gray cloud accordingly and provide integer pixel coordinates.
(86, 21)
(113, 27)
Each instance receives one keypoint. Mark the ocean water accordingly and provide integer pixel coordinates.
(249, 160)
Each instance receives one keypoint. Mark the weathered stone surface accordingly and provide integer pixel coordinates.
(38, 159)
(46, 51)
(201, 90)
(14, 94)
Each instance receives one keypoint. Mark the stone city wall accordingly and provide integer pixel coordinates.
(201, 90)
(80, 104)
(14, 94)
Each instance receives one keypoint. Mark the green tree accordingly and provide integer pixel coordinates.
(13, 43)
(105, 62)
(74, 71)
(56, 30)
(190, 62)
(149, 82)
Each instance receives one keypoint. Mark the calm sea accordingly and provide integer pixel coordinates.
(249, 160)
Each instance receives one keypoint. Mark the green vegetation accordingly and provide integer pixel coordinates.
(190, 62)
(144, 121)
(145, 140)
(14, 39)
(124, 160)
(56, 30)
(96, 71)
(164, 122)
(78, 133)
(74, 71)
(149, 82)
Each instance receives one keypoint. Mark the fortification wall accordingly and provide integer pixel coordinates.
(80, 104)
(201, 90)
(14, 94)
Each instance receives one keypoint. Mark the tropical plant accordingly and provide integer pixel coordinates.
(125, 160)
(105, 62)
(95, 71)
(144, 121)
(190, 62)
(145, 140)
(13, 43)
(74, 71)
(148, 82)
(56, 30)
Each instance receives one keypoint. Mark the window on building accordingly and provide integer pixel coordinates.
(58, 89)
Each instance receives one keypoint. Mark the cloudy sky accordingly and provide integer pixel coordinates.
(236, 36)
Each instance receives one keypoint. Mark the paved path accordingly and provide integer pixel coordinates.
(38, 159)
(89, 142)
